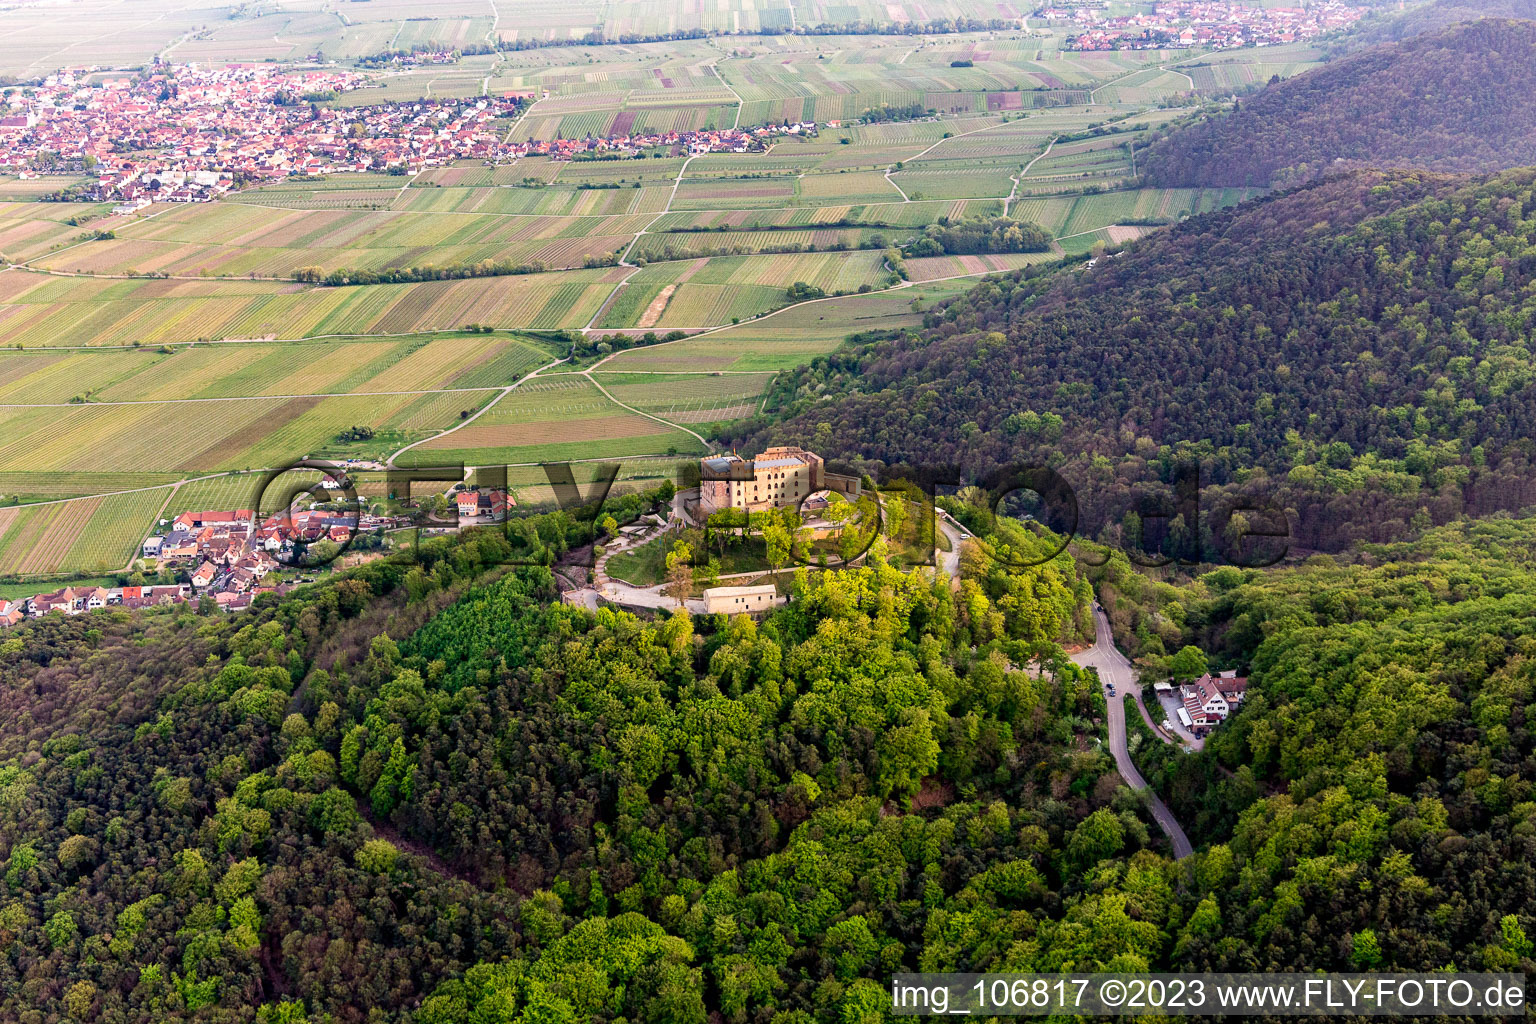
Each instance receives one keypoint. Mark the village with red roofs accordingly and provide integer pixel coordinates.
(1208, 24)
(224, 555)
(184, 133)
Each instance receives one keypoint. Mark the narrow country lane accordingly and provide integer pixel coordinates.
(1116, 669)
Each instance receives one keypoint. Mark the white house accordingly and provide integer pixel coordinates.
(734, 600)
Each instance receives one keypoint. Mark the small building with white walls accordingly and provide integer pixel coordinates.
(734, 600)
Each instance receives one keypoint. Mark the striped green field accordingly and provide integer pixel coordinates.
(242, 433)
(564, 417)
(93, 534)
(243, 240)
(29, 230)
(655, 246)
(1078, 166)
(45, 485)
(791, 336)
(710, 292)
(880, 215)
(38, 310)
(707, 397)
(933, 268)
(211, 372)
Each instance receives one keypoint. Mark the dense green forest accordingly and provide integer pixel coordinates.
(350, 797)
(1393, 22)
(1461, 99)
(1386, 746)
(431, 792)
(1356, 351)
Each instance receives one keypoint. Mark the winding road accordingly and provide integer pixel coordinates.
(1115, 668)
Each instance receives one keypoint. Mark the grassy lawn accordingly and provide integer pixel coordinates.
(643, 566)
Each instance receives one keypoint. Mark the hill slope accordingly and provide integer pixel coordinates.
(1360, 345)
(432, 794)
(1463, 99)
(1390, 26)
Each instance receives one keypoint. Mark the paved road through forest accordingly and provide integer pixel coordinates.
(1115, 668)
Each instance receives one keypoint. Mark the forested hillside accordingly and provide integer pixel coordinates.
(433, 794)
(1385, 747)
(1357, 350)
(349, 798)
(1461, 99)
(1392, 24)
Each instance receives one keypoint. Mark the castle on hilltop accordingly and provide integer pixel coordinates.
(780, 477)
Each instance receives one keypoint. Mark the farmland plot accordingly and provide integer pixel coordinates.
(29, 230)
(1095, 212)
(689, 398)
(930, 268)
(16, 189)
(875, 215)
(114, 531)
(48, 485)
(229, 239)
(48, 377)
(847, 187)
(689, 244)
(42, 311)
(551, 201)
(791, 336)
(91, 534)
(737, 287)
(1075, 167)
(37, 539)
(734, 194)
(556, 418)
(943, 178)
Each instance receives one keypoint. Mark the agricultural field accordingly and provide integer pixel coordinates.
(689, 398)
(876, 215)
(835, 79)
(43, 485)
(934, 268)
(523, 188)
(277, 369)
(105, 386)
(680, 245)
(37, 310)
(957, 179)
(1249, 67)
(92, 534)
(1150, 86)
(246, 240)
(1069, 216)
(30, 229)
(562, 417)
(1079, 166)
(708, 292)
(545, 201)
(39, 39)
(235, 434)
(791, 336)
